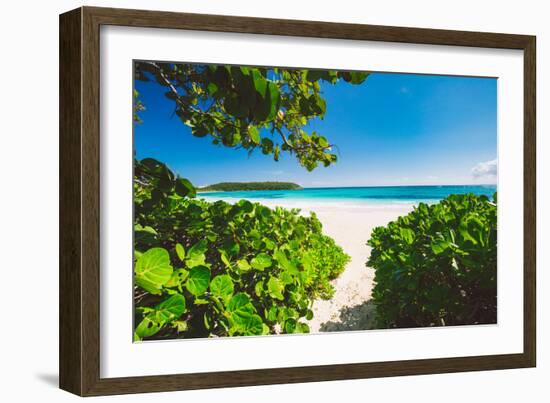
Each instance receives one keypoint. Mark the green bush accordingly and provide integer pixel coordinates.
(437, 265)
(216, 269)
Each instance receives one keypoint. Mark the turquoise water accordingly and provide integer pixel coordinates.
(357, 195)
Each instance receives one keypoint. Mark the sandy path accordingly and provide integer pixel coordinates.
(350, 225)
(349, 309)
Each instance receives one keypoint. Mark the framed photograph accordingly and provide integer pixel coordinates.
(249, 201)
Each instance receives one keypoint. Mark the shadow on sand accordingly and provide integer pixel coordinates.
(357, 317)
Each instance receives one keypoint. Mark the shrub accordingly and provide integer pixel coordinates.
(437, 265)
(217, 269)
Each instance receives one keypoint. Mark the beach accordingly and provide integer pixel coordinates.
(349, 215)
(350, 226)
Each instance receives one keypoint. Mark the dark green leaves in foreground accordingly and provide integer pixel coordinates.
(215, 269)
(249, 107)
(437, 265)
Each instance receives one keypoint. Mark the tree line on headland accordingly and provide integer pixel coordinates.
(235, 186)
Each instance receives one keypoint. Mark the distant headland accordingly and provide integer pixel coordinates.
(235, 186)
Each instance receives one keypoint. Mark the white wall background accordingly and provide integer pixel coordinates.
(29, 198)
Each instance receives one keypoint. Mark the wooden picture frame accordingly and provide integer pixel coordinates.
(80, 199)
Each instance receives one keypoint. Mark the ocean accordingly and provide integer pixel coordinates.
(374, 195)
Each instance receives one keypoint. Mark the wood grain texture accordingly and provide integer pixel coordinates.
(530, 202)
(90, 202)
(70, 187)
(80, 196)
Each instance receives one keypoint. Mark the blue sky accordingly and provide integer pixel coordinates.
(394, 129)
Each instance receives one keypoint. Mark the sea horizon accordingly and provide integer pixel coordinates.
(357, 195)
(345, 187)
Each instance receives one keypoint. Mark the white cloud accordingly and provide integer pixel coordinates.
(485, 169)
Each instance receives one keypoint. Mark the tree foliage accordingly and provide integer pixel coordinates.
(234, 186)
(254, 108)
(437, 265)
(215, 269)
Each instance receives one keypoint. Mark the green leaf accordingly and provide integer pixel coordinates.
(151, 166)
(153, 270)
(314, 75)
(225, 260)
(254, 134)
(235, 107)
(259, 288)
(248, 324)
(272, 313)
(243, 317)
(321, 108)
(267, 108)
(243, 265)
(407, 235)
(260, 83)
(275, 288)
(196, 254)
(302, 328)
(170, 309)
(267, 146)
(222, 286)
(212, 88)
(269, 244)
(166, 312)
(198, 280)
(180, 325)
(147, 327)
(184, 188)
(283, 261)
(145, 236)
(261, 261)
(358, 77)
(177, 278)
(231, 247)
(240, 304)
(439, 246)
(180, 251)
(290, 325)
